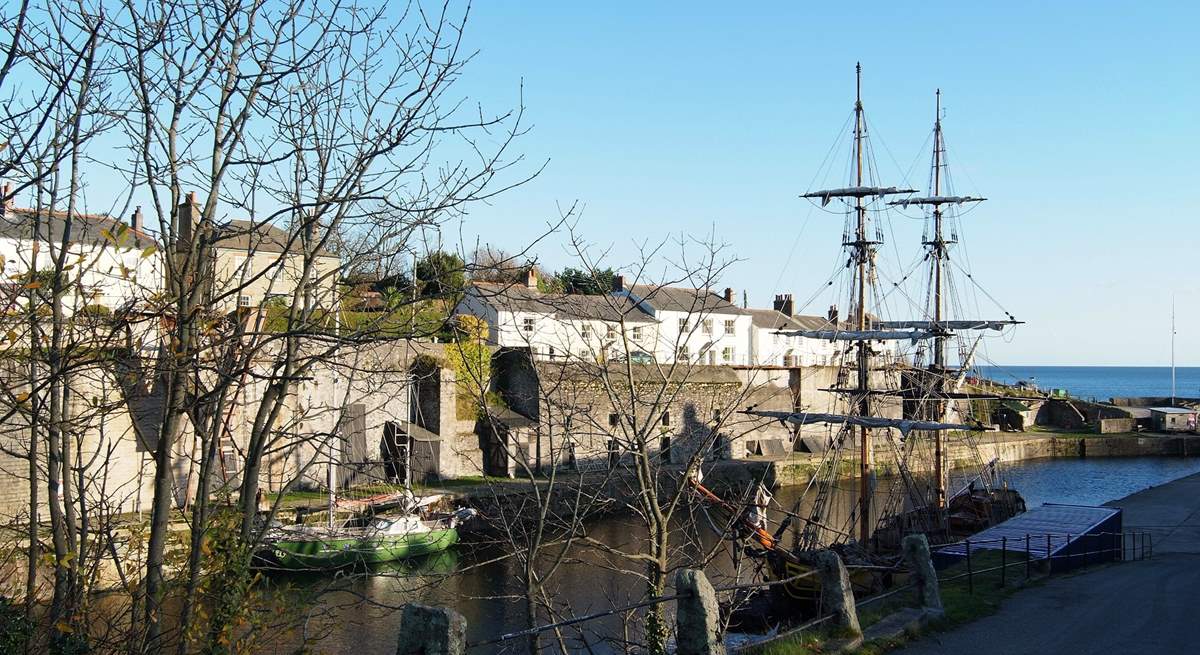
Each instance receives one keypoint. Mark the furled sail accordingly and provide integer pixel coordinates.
(945, 325)
(936, 200)
(860, 335)
(903, 425)
(856, 192)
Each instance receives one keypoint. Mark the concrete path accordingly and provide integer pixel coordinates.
(1150, 606)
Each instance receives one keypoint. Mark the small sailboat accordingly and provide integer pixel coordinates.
(382, 532)
(381, 528)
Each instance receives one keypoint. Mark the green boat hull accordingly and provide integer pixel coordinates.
(315, 554)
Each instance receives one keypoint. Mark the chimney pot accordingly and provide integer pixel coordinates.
(531, 277)
(784, 303)
(729, 295)
(618, 283)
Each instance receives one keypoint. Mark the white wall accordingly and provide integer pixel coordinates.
(106, 274)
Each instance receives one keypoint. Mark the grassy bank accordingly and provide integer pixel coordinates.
(964, 601)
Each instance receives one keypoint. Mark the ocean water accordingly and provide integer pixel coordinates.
(1103, 382)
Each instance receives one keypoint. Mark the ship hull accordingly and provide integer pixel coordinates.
(326, 553)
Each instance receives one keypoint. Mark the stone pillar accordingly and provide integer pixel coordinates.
(428, 630)
(697, 616)
(837, 596)
(916, 556)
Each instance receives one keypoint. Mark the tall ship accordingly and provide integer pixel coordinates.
(902, 412)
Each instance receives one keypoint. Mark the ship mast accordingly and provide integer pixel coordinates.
(939, 342)
(861, 254)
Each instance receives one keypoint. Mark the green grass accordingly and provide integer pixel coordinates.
(1066, 433)
(963, 603)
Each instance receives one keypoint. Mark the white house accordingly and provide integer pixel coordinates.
(109, 263)
(694, 325)
(255, 262)
(560, 326)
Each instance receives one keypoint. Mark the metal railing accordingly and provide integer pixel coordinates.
(1122, 546)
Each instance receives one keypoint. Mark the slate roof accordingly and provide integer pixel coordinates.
(260, 237)
(771, 319)
(17, 223)
(684, 299)
(518, 297)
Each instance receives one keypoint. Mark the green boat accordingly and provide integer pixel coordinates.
(361, 541)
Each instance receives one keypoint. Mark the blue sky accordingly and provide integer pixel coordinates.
(1075, 119)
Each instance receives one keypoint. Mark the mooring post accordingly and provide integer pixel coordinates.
(837, 596)
(920, 563)
(697, 615)
(428, 630)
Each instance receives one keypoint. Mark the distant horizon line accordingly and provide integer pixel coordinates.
(1167, 366)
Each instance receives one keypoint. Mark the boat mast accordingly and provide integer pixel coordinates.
(861, 254)
(1172, 349)
(939, 342)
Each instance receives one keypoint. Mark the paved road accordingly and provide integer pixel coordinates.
(1136, 607)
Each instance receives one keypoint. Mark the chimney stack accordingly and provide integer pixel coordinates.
(531, 277)
(729, 295)
(618, 283)
(189, 215)
(784, 303)
(6, 199)
(135, 221)
(833, 315)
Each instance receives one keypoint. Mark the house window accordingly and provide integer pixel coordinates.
(527, 325)
(611, 332)
(585, 331)
(682, 354)
(727, 354)
(753, 448)
(613, 420)
(666, 417)
(243, 301)
(637, 333)
(683, 325)
(789, 360)
(729, 328)
(550, 352)
(707, 326)
(664, 449)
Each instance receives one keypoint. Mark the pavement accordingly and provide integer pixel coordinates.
(1150, 606)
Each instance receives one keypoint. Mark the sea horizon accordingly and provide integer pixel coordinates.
(1102, 382)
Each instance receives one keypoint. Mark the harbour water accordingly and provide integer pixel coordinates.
(1103, 382)
(486, 589)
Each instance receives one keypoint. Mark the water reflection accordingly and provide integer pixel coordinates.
(484, 586)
